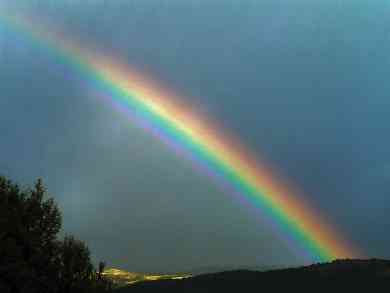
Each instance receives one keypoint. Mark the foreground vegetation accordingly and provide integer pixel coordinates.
(338, 276)
(33, 258)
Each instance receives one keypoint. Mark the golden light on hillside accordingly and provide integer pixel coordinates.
(124, 278)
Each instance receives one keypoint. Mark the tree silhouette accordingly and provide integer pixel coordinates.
(32, 258)
(102, 266)
(76, 267)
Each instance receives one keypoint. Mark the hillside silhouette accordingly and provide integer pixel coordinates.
(122, 278)
(338, 275)
(34, 259)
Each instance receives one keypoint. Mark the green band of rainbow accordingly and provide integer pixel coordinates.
(190, 134)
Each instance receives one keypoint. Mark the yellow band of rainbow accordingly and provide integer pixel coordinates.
(171, 120)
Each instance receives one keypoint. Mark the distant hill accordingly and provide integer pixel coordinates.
(122, 278)
(341, 274)
(215, 269)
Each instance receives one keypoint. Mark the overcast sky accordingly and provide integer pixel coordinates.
(304, 84)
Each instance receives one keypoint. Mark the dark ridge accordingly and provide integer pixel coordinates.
(340, 274)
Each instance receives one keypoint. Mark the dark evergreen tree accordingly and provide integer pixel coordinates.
(32, 258)
(102, 266)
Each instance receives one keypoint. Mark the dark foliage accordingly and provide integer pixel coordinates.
(32, 257)
(338, 276)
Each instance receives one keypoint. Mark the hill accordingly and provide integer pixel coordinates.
(122, 278)
(340, 274)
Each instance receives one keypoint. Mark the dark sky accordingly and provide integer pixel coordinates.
(305, 84)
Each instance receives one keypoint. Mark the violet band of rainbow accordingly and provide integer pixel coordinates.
(214, 153)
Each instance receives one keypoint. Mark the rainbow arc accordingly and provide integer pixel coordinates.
(218, 155)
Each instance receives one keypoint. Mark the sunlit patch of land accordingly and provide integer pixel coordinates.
(123, 278)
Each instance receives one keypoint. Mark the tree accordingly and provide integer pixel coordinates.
(32, 258)
(102, 266)
(76, 268)
(29, 225)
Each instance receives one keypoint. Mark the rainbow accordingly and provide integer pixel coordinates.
(197, 138)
